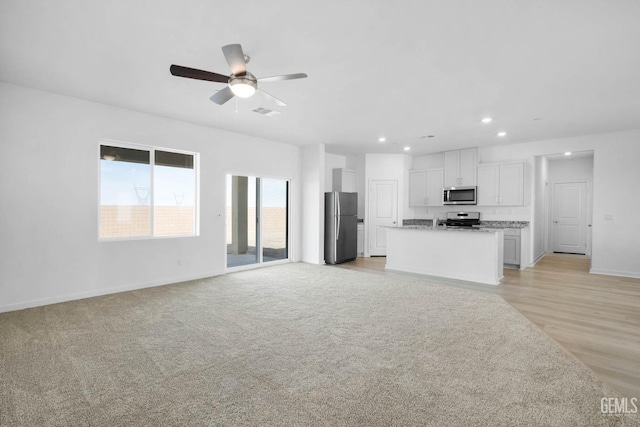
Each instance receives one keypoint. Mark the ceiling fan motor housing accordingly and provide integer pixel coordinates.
(243, 86)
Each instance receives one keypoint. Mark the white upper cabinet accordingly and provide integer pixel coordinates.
(425, 187)
(344, 180)
(501, 184)
(512, 184)
(460, 167)
(418, 188)
(435, 182)
(488, 185)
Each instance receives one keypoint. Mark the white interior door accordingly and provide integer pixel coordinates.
(383, 212)
(570, 217)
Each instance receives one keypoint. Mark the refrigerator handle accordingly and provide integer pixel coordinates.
(338, 228)
(337, 195)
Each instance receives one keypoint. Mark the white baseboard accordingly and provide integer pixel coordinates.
(535, 261)
(631, 274)
(100, 292)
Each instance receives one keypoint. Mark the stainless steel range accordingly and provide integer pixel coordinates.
(462, 219)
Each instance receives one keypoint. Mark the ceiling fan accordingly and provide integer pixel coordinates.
(241, 83)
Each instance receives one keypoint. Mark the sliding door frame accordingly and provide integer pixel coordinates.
(259, 213)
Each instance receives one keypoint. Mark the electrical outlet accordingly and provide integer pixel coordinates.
(608, 217)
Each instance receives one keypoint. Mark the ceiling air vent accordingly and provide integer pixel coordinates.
(266, 112)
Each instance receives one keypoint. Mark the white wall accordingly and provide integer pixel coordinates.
(313, 181)
(539, 202)
(49, 196)
(615, 244)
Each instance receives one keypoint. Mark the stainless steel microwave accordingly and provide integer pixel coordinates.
(459, 195)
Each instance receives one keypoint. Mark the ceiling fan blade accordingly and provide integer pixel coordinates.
(283, 77)
(192, 73)
(272, 98)
(235, 58)
(222, 96)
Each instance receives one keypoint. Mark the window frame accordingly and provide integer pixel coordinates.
(151, 149)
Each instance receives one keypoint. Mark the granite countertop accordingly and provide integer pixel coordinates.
(483, 224)
(443, 228)
(503, 224)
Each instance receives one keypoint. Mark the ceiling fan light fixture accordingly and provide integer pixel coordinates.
(243, 86)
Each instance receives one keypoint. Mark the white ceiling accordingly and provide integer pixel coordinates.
(404, 69)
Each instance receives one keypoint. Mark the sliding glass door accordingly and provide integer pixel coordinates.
(257, 220)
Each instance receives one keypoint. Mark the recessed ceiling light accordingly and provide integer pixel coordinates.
(503, 133)
(487, 120)
(407, 148)
(568, 153)
(382, 139)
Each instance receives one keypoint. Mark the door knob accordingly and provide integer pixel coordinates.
(394, 222)
(555, 222)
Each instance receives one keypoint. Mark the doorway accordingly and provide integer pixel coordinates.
(383, 212)
(565, 185)
(257, 223)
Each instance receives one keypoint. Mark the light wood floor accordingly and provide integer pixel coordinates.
(595, 318)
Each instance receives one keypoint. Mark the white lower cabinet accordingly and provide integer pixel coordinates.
(360, 234)
(512, 248)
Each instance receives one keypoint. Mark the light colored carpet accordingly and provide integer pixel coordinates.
(293, 344)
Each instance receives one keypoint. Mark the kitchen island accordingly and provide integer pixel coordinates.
(469, 254)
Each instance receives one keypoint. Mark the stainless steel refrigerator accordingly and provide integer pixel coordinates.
(340, 227)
